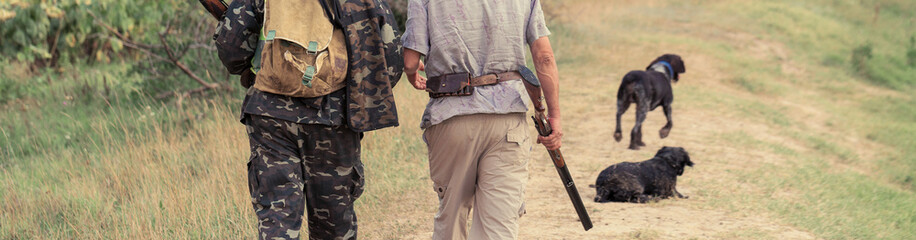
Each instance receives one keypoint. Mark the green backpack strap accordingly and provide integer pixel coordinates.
(256, 61)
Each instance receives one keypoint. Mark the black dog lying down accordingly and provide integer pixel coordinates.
(648, 89)
(643, 181)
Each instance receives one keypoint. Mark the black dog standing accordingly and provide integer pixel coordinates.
(643, 181)
(648, 89)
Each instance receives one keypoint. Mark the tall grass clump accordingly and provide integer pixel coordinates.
(860, 57)
(132, 174)
(911, 53)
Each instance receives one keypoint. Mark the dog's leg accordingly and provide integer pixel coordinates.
(679, 195)
(667, 128)
(636, 136)
(622, 106)
(642, 108)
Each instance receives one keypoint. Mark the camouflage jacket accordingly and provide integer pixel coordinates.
(375, 65)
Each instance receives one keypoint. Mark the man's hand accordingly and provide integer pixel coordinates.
(413, 66)
(542, 54)
(418, 82)
(553, 142)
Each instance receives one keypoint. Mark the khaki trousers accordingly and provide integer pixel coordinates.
(479, 162)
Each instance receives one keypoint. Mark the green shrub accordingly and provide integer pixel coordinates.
(860, 57)
(911, 53)
(133, 33)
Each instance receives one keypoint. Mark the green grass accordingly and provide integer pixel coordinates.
(840, 204)
(895, 128)
(828, 31)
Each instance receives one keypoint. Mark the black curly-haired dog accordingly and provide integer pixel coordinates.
(643, 181)
(648, 89)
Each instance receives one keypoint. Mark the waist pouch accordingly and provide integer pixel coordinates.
(461, 84)
(457, 84)
(301, 54)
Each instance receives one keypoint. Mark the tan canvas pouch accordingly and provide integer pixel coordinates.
(302, 55)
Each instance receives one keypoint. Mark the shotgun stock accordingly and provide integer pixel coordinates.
(544, 129)
(217, 8)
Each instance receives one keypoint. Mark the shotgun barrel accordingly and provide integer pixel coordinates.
(543, 127)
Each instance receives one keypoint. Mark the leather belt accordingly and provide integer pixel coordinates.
(488, 79)
(495, 78)
(461, 84)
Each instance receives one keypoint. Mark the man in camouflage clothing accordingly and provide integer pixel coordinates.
(305, 152)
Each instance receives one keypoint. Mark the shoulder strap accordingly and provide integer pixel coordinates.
(330, 10)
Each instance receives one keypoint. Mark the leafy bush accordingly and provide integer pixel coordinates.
(886, 70)
(151, 36)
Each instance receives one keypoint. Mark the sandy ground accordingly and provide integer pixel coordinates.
(589, 147)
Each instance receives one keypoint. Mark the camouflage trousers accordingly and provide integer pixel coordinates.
(303, 168)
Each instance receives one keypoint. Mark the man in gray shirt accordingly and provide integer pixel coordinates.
(479, 144)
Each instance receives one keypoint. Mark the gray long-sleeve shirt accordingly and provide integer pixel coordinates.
(479, 37)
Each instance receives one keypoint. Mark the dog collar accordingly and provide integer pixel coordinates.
(667, 66)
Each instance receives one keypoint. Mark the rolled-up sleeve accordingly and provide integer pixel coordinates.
(416, 36)
(537, 26)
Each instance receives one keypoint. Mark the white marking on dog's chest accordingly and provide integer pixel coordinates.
(658, 67)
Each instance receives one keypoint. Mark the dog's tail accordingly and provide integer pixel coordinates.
(627, 84)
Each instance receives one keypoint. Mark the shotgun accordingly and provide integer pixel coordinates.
(217, 8)
(533, 86)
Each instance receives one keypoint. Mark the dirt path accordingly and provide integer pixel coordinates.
(588, 113)
(589, 147)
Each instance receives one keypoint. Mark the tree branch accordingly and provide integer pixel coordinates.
(181, 66)
(118, 34)
(171, 55)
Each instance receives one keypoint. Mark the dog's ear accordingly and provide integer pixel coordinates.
(669, 154)
(676, 157)
(678, 64)
(685, 157)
